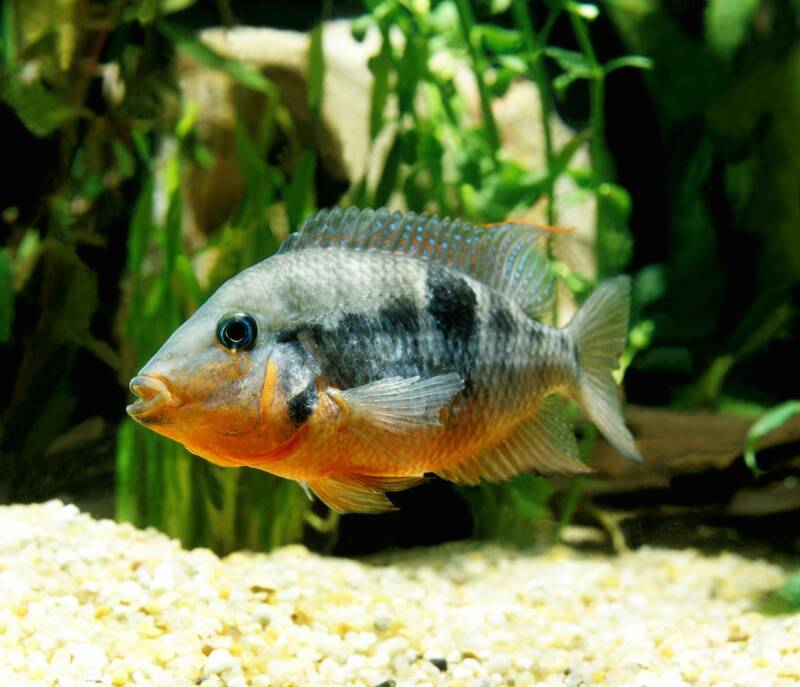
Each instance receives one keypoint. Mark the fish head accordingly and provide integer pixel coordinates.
(203, 388)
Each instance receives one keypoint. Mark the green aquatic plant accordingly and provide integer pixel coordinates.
(772, 419)
(158, 482)
(90, 93)
(439, 161)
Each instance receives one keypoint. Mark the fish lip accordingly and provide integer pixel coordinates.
(153, 394)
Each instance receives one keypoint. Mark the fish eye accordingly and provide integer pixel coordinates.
(237, 331)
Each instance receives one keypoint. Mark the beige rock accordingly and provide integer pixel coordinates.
(344, 127)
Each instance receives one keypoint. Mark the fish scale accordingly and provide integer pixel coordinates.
(376, 348)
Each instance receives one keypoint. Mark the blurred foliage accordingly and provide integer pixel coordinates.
(106, 152)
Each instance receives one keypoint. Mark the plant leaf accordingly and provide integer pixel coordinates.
(299, 188)
(379, 66)
(391, 167)
(585, 10)
(769, 421)
(40, 110)
(790, 592)
(316, 72)
(6, 297)
(634, 61)
(727, 22)
(192, 46)
(499, 40)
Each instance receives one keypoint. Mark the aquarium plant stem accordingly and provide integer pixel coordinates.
(599, 152)
(533, 54)
(476, 57)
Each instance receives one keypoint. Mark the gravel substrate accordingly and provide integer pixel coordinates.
(87, 602)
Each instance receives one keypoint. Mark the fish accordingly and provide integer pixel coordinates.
(376, 349)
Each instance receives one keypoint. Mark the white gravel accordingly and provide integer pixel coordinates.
(87, 603)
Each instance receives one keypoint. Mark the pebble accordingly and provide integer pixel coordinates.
(440, 663)
(86, 602)
(219, 661)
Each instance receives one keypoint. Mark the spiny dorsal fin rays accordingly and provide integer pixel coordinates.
(508, 257)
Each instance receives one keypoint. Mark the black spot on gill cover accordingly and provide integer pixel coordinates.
(286, 336)
(301, 405)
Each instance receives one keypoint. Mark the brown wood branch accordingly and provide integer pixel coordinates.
(679, 442)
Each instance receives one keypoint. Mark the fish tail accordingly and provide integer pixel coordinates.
(599, 329)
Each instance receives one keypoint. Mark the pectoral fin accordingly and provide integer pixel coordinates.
(388, 412)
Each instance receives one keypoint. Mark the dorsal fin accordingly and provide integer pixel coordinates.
(508, 257)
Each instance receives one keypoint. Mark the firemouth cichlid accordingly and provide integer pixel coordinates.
(376, 348)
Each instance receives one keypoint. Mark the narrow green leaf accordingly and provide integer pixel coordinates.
(569, 60)
(170, 6)
(769, 421)
(634, 61)
(8, 46)
(790, 592)
(6, 297)
(191, 45)
(316, 72)
(380, 66)
(127, 475)
(388, 180)
(563, 157)
(299, 191)
(185, 272)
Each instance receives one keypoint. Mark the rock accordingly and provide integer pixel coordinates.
(220, 661)
(343, 133)
(440, 663)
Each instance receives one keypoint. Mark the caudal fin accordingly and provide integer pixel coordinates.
(599, 329)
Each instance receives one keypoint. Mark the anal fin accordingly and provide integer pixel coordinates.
(360, 493)
(543, 443)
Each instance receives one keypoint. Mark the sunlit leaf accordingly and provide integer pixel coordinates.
(617, 196)
(192, 46)
(769, 421)
(499, 40)
(727, 22)
(499, 6)
(360, 26)
(574, 65)
(585, 10)
(634, 61)
(40, 110)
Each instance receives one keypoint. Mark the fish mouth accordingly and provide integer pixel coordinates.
(153, 394)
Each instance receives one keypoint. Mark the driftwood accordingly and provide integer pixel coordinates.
(678, 443)
(694, 487)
